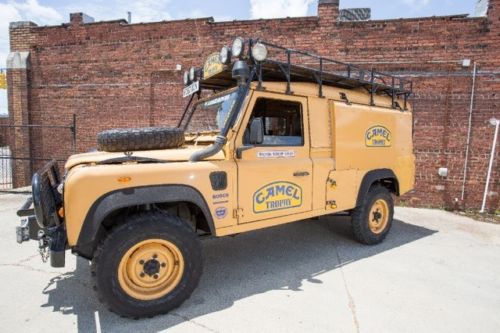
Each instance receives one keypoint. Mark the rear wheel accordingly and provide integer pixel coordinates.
(372, 220)
(147, 266)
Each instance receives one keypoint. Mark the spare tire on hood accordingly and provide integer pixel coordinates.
(133, 139)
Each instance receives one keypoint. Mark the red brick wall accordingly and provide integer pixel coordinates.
(3, 131)
(112, 74)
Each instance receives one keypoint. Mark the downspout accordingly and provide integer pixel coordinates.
(467, 147)
(495, 122)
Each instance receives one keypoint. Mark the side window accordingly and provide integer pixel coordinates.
(282, 122)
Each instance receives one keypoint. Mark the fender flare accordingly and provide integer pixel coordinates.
(134, 196)
(370, 178)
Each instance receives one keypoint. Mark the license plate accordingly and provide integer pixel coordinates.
(189, 90)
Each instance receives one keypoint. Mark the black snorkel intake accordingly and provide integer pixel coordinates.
(240, 72)
(211, 150)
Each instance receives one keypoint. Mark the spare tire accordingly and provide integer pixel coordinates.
(147, 138)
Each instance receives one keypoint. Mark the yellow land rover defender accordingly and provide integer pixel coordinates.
(270, 135)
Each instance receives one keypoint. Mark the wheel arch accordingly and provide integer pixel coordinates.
(384, 177)
(92, 229)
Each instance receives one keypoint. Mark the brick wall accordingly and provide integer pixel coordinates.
(3, 131)
(114, 74)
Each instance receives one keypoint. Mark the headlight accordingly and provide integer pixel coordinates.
(237, 47)
(186, 78)
(224, 55)
(259, 52)
(192, 74)
(60, 188)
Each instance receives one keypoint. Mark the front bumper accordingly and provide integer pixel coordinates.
(42, 222)
(28, 230)
(29, 226)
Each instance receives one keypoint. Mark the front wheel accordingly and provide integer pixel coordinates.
(372, 220)
(147, 266)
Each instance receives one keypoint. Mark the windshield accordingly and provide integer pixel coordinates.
(210, 114)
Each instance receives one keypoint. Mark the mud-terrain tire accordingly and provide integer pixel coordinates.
(134, 139)
(372, 220)
(147, 266)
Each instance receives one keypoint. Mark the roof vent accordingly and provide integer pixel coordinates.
(355, 14)
(80, 18)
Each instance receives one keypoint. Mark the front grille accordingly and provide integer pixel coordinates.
(46, 199)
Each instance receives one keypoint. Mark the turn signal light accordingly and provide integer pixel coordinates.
(124, 179)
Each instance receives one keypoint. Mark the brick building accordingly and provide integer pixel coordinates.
(115, 74)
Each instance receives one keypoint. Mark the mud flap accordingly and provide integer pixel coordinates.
(57, 247)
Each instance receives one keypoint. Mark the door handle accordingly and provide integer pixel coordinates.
(300, 174)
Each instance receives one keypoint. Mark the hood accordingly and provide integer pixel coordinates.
(172, 155)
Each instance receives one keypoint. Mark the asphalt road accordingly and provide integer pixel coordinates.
(436, 272)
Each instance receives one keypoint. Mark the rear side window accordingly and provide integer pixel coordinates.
(282, 122)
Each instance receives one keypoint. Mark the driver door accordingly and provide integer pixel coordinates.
(275, 175)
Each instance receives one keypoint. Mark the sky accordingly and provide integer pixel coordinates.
(54, 12)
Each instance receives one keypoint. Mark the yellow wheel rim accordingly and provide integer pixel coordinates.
(150, 269)
(378, 216)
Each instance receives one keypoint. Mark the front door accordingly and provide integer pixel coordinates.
(275, 177)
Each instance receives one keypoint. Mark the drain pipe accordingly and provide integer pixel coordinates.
(496, 123)
(474, 72)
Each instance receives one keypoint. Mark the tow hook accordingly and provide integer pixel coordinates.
(53, 245)
(43, 245)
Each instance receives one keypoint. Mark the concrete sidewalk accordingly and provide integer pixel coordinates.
(436, 272)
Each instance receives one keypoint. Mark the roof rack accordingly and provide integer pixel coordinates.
(285, 64)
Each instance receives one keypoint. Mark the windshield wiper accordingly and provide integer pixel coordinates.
(138, 159)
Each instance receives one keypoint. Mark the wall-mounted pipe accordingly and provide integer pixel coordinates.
(496, 123)
(467, 146)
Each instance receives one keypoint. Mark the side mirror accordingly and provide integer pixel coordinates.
(257, 131)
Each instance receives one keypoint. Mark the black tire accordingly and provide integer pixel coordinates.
(138, 228)
(361, 220)
(135, 139)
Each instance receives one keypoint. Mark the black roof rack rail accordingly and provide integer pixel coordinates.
(286, 64)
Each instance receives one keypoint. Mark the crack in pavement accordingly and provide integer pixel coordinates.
(351, 304)
(29, 268)
(33, 256)
(29, 258)
(186, 318)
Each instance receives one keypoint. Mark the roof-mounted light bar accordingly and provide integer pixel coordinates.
(225, 55)
(238, 47)
(254, 50)
(258, 51)
(190, 76)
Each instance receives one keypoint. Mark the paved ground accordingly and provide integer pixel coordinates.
(436, 272)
